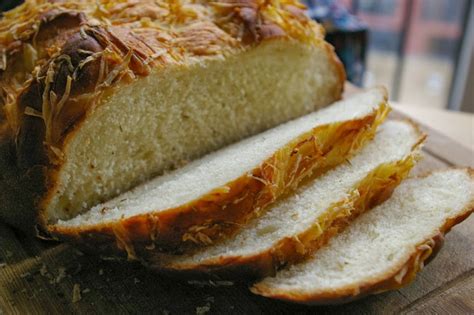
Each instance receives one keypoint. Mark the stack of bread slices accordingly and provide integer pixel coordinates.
(180, 137)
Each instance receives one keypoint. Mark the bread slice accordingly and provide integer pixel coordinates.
(213, 196)
(298, 224)
(383, 249)
(103, 95)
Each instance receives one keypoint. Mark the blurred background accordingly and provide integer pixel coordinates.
(422, 50)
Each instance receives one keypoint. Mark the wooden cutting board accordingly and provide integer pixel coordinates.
(40, 277)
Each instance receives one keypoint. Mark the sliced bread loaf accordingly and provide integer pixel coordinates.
(300, 223)
(213, 196)
(384, 248)
(101, 95)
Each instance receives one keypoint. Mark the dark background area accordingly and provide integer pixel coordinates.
(9, 4)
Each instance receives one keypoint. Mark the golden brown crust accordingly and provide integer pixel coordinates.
(223, 210)
(58, 59)
(401, 275)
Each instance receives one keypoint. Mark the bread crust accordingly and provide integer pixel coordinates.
(399, 276)
(69, 49)
(222, 211)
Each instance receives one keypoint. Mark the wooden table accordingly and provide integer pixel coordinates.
(39, 277)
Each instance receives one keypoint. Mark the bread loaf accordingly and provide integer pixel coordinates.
(384, 248)
(215, 195)
(98, 96)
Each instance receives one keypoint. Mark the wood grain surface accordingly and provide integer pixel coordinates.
(40, 277)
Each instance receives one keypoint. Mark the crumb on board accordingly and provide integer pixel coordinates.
(43, 270)
(61, 274)
(3, 265)
(86, 290)
(76, 293)
(101, 272)
(201, 310)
